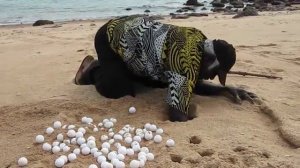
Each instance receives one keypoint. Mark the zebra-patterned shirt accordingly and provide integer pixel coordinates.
(161, 52)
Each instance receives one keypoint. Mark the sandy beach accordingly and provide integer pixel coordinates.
(38, 65)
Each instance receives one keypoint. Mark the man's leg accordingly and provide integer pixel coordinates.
(111, 77)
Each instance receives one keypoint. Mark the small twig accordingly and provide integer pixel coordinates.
(254, 74)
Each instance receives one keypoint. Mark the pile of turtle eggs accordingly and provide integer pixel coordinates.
(110, 150)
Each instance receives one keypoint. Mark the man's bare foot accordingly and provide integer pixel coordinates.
(86, 62)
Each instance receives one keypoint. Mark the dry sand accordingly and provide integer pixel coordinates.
(38, 64)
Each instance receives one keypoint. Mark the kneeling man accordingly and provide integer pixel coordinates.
(138, 49)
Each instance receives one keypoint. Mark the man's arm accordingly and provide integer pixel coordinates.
(209, 89)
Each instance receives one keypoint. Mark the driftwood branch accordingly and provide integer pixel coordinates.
(254, 74)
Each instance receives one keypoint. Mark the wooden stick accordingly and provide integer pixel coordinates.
(254, 74)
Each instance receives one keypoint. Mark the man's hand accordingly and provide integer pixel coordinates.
(239, 94)
(177, 115)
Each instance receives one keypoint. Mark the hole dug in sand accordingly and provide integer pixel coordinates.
(195, 140)
(206, 152)
(239, 149)
(176, 158)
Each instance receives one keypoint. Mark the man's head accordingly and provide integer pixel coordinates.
(219, 57)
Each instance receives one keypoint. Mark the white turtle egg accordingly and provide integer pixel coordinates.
(89, 120)
(106, 165)
(135, 143)
(142, 157)
(85, 150)
(83, 145)
(153, 127)
(79, 134)
(55, 143)
(111, 134)
(47, 147)
(141, 134)
(145, 150)
(22, 161)
(128, 140)
(105, 151)
(112, 155)
(71, 133)
(100, 124)
(136, 148)
(80, 141)
(129, 152)
(121, 157)
(117, 145)
(157, 139)
(150, 156)
(67, 141)
(93, 150)
(159, 131)
(113, 120)
(72, 157)
(137, 138)
(120, 164)
(39, 139)
(141, 153)
(121, 132)
(111, 141)
(84, 120)
(122, 150)
(91, 138)
(93, 166)
(62, 145)
(126, 129)
(97, 154)
(110, 130)
(127, 134)
(148, 135)
(95, 129)
(138, 130)
(142, 163)
(101, 159)
(65, 158)
(105, 120)
(73, 141)
(66, 149)
(170, 143)
(118, 137)
(91, 144)
(55, 149)
(81, 129)
(132, 110)
(147, 126)
(134, 164)
(49, 130)
(114, 161)
(108, 124)
(57, 124)
(76, 151)
(104, 137)
(60, 162)
(71, 126)
(60, 137)
(105, 145)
